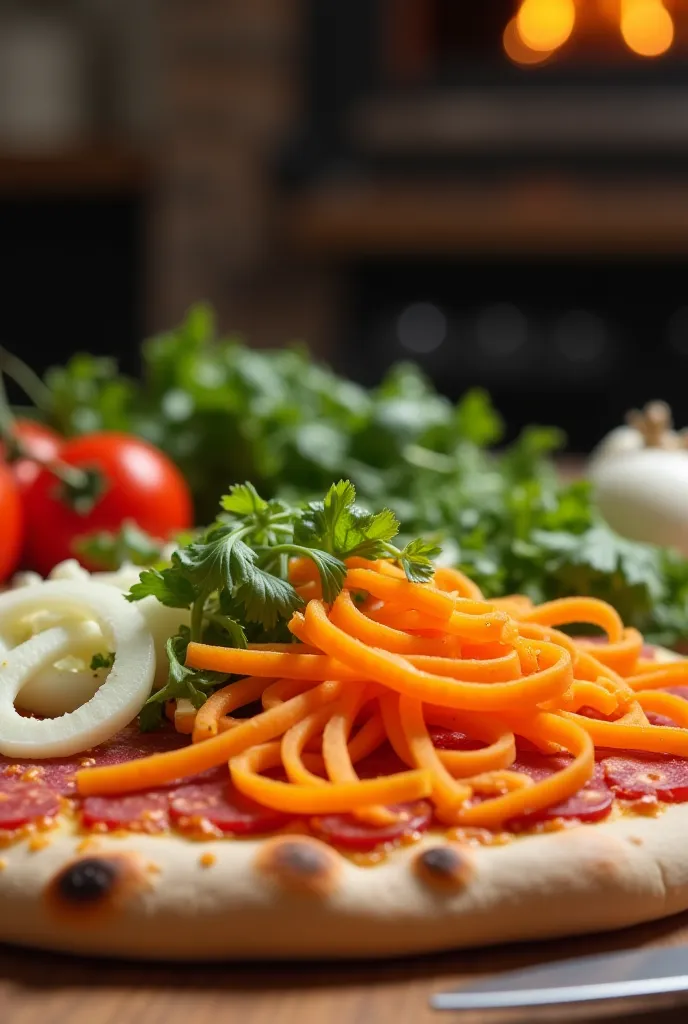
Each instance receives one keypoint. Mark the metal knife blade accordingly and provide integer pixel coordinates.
(590, 979)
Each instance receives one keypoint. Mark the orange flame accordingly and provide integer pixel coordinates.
(647, 27)
(545, 25)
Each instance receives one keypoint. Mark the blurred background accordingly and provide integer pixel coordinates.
(497, 189)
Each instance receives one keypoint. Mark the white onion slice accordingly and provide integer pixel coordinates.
(56, 689)
(116, 702)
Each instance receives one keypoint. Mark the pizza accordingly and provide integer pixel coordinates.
(419, 769)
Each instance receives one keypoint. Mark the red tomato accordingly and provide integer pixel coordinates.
(139, 483)
(39, 441)
(12, 519)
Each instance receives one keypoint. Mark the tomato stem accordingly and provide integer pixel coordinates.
(29, 381)
(81, 487)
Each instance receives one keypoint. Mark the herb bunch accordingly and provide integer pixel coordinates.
(234, 577)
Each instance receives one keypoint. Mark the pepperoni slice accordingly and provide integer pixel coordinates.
(221, 805)
(451, 739)
(654, 718)
(591, 803)
(140, 812)
(382, 761)
(653, 775)
(679, 691)
(58, 773)
(346, 832)
(24, 802)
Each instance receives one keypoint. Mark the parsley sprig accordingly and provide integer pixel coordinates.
(234, 577)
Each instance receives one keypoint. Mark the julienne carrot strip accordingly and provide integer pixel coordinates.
(621, 656)
(515, 604)
(337, 756)
(302, 570)
(499, 753)
(224, 701)
(331, 798)
(306, 591)
(294, 742)
(454, 581)
(407, 658)
(553, 790)
(272, 664)
(668, 704)
(657, 739)
(346, 615)
(584, 694)
(381, 565)
(398, 674)
(446, 791)
(389, 709)
(156, 770)
(484, 652)
(283, 689)
(368, 738)
(478, 619)
(675, 673)
(292, 648)
(578, 609)
(536, 631)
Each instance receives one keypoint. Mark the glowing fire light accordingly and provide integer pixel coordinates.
(516, 49)
(545, 25)
(647, 27)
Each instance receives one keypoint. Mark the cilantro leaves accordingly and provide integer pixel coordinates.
(193, 684)
(234, 577)
(344, 529)
(221, 410)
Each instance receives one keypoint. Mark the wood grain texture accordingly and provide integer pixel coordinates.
(37, 988)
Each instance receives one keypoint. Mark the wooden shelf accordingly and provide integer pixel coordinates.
(108, 168)
(525, 217)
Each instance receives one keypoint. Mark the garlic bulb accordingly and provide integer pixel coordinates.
(640, 479)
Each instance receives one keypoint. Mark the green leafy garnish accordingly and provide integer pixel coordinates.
(224, 411)
(102, 661)
(194, 685)
(234, 577)
(107, 550)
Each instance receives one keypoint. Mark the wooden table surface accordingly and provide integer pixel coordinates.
(38, 988)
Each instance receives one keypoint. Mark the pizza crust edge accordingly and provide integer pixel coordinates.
(292, 896)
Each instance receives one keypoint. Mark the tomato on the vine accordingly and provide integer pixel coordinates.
(12, 519)
(39, 442)
(124, 478)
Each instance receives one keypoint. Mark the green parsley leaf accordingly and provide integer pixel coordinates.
(102, 661)
(477, 419)
(182, 682)
(167, 585)
(219, 559)
(416, 561)
(244, 500)
(344, 529)
(267, 598)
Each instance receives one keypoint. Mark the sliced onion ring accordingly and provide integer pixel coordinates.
(112, 707)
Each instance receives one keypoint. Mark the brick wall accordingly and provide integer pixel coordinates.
(228, 96)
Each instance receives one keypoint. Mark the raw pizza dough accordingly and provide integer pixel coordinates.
(291, 896)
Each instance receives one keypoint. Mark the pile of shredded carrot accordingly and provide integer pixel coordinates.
(390, 658)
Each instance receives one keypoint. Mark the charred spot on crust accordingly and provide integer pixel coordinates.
(88, 880)
(443, 865)
(301, 863)
(94, 887)
(301, 858)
